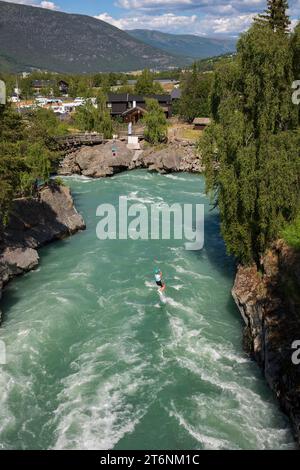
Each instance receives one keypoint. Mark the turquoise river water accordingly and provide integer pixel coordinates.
(96, 361)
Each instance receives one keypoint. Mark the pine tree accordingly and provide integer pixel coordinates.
(276, 15)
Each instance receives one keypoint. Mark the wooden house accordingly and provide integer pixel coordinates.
(131, 108)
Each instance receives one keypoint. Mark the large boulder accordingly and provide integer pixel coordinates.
(33, 223)
(19, 260)
(98, 161)
(101, 160)
(37, 221)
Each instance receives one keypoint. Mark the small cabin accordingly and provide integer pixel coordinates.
(201, 123)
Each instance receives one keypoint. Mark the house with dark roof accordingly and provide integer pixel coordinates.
(132, 107)
(39, 85)
(176, 94)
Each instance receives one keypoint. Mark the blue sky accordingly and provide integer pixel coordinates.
(201, 17)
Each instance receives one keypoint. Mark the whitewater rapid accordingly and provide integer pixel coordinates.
(95, 361)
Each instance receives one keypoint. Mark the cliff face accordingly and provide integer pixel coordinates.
(34, 223)
(269, 302)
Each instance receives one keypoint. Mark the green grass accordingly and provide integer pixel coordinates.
(291, 233)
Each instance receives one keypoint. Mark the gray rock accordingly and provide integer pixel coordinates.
(19, 260)
(270, 306)
(99, 161)
(34, 223)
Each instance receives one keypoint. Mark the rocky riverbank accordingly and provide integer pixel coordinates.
(34, 223)
(269, 302)
(100, 160)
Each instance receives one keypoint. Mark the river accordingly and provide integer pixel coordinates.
(96, 361)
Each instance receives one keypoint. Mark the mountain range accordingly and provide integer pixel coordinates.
(36, 38)
(187, 45)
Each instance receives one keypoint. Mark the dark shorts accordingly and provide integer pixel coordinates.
(159, 283)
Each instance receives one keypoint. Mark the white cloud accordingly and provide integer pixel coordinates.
(121, 23)
(229, 25)
(187, 4)
(209, 17)
(234, 8)
(49, 5)
(33, 3)
(169, 22)
(152, 4)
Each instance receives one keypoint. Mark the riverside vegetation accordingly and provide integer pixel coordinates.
(27, 153)
(251, 154)
(254, 140)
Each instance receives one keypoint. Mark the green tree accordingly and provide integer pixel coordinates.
(276, 15)
(11, 162)
(251, 151)
(85, 117)
(195, 95)
(90, 118)
(103, 123)
(296, 51)
(38, 166)
(155, 122)
(145, 84)
(296, 57)
(25, 154)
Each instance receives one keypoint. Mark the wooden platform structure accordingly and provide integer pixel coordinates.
(76, 140)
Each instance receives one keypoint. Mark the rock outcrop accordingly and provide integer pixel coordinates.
(34, 223)
(269, 302)
(100, 160)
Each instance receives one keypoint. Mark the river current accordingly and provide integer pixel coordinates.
(96, 361)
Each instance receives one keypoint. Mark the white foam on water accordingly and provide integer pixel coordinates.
(61, 299)
(133, 196)
(239, 407)
(194, 274)
(100, 420)
(208, 442)
(79, 178)
(78, 274)
(150, 284)
(199, 195)
(178, 305)
(175, 177)
(177, 287)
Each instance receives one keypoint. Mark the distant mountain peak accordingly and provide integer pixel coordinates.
(186, 45)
